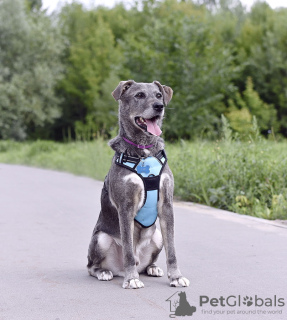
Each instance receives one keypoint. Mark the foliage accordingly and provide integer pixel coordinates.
(29, 69)
(212, 53)
(57, 71)
(83, 158)
(245, 177)
(89, 59)
(179, 50)
(261, 51)
(243, 107)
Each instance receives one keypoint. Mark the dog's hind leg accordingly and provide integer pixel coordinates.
(148, 250)
(157, 244)
(99, 246)
(154, 271)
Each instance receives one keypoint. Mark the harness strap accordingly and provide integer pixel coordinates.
(122, 157)
(148, 211)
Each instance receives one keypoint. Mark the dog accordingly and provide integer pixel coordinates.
(137, 189)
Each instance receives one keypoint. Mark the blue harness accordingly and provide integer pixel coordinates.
(149, 170)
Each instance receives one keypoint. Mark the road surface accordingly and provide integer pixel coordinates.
(47, 218)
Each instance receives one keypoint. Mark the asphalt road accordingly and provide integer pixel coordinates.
(46, 222)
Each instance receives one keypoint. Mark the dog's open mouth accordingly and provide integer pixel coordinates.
(149, 125)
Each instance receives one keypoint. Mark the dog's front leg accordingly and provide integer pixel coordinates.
(126, 219)
(166, 217)
(167, 229)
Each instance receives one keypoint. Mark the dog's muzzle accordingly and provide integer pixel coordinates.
(158, 107)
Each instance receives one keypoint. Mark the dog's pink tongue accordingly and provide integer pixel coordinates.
(152, 127)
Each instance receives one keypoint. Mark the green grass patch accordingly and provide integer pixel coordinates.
(91, 159)
(244, 177)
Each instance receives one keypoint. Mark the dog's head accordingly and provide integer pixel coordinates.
(142, 106)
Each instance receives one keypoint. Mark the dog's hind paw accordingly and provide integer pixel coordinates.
(180, 282)
(154, 271)
(133, 284)
(105, 275)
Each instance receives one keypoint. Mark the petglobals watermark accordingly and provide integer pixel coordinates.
(180, 305)
(238, 301)
(244, 305)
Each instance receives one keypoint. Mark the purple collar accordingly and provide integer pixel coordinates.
(138, 145)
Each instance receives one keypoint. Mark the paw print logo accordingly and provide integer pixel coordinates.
(247, 301)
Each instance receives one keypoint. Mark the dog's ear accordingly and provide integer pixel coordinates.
(121, 89)
(166, 92)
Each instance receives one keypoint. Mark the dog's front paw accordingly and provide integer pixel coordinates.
(133, 284)
(180, 282)
(154, 271)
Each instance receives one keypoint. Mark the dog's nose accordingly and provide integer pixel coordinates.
(157, 106)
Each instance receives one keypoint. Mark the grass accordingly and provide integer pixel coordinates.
(91, 159)
(245, 177)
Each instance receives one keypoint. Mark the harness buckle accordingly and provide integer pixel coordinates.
(124, 158)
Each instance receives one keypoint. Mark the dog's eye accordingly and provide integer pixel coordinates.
(158, 95)
(140, 95)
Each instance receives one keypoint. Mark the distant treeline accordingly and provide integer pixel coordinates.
(57, 71)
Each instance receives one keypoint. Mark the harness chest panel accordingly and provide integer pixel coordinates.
(149, 170)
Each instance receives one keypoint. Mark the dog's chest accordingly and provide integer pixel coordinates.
(149, 171)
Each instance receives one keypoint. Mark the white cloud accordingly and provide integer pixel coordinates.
(52, 4)
(272, 3)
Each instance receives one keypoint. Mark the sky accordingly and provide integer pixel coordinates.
(52, 4)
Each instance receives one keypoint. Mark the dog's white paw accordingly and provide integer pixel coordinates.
(105, 275)
(154, 271)
(180, 282)
(133, 284)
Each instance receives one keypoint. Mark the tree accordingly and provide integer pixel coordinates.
(29, 69)
(249, 103)
(91, 60)
(262, 53)
(176, 47)
(34, 4)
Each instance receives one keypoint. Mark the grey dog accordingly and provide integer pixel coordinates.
(120, 246)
